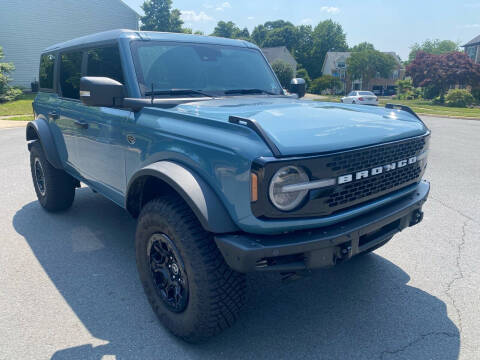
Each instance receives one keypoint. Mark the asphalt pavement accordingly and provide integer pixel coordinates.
(69, 287)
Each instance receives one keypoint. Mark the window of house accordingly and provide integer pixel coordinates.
(472, 52)
(47, 63)
(105, 61)
(70, 74)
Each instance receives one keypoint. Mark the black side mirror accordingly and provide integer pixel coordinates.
(101, 91)
(298, 86)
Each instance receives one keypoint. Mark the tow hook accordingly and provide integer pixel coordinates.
(344, 253)
(417, 216)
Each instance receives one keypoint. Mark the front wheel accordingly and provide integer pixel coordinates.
(54, 187)
(187, 282)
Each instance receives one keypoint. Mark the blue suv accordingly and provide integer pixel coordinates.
(226, 172)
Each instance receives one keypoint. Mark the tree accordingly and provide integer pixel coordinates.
(159, 16)
(309, 46)
(303, 73)
(369, 63)
(363, 46)
(230, 30)
(275, 33)
(327, 36)
(284, 72)
(7, 93)
(443, 71)
(436, 47)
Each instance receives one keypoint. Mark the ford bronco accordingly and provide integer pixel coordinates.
(226, 172)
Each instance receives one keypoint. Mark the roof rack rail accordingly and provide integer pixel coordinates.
(255, 126)
(404, 108)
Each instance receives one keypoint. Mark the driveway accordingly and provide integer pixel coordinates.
(69, 287)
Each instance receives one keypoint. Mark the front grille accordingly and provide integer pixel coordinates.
(369, 158)
(324, 202)
(370, 186)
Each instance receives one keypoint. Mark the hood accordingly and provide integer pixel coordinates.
(299, 127)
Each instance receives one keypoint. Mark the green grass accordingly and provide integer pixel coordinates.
(425, 107)
(21, 106)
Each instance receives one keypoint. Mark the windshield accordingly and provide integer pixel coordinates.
(365, 93)
(212, 69)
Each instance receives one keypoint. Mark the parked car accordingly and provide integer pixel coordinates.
(361, 98)
(226, 174)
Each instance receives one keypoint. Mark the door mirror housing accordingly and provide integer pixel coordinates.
(101, 91)
(298, 86)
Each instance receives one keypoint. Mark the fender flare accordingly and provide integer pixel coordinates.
(39, 130)
(199, 196)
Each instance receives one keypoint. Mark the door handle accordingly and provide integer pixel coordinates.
(81, 124)
(53, 115)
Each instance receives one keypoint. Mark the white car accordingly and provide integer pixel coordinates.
(361, 98)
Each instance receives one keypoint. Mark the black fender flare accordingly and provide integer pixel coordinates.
(39, 130)
(199, 196)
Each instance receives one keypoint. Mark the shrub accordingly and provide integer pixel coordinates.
(7, 92)
(303, 73)
(325, 82)
(476, 94)
(459, 98)
(284, 72)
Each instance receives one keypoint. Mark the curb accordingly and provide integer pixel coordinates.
(450, 116)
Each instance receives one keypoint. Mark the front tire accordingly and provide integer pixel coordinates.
(186, 280)
(54, 187)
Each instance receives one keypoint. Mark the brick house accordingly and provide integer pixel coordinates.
(335, 64)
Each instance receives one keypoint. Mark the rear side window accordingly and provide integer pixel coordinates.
(105, 61)
(47, 63)
(70, 74)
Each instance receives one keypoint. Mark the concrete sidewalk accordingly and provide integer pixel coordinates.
(4, 124)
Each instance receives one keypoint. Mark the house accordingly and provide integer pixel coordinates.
(335, 64)
(29, 26)
(472, 49)
(280, 53)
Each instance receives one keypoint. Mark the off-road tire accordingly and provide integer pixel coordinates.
(216, 293)
(58, 192)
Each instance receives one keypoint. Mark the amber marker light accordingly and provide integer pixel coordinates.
(254, 187)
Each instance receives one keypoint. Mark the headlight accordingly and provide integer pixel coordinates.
(287, 199)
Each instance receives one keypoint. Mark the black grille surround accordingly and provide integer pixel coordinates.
(337, 198)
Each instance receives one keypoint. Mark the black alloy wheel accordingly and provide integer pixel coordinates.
(168, 272)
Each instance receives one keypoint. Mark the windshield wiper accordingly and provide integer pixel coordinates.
(176, 92)
(248, 91)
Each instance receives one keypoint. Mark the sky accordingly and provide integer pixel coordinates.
(390, 25)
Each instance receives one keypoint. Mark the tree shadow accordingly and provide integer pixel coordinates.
(361, 309)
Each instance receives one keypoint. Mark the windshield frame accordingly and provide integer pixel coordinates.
(135, 44)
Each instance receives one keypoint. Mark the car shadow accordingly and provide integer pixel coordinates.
(361, 309)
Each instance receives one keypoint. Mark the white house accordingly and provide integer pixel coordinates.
(29, 26)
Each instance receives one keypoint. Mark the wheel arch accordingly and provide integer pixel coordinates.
(38, 130)
(166, 177)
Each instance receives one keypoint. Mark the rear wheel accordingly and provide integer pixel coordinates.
(54, 187)
(187, 282)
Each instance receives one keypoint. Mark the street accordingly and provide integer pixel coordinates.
(69, 288)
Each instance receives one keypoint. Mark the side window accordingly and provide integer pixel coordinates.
(70, 73)
(47, 63)
(105, 61)
(352, 93)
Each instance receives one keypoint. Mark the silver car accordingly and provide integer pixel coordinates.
(361, 98)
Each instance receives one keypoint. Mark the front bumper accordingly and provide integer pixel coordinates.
(325, 246)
